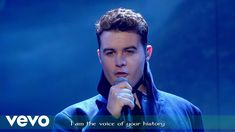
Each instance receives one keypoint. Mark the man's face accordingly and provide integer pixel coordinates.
(122, 55)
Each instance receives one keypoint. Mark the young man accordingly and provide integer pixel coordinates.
(128, 98)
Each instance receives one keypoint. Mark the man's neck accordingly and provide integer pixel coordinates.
(142, 89)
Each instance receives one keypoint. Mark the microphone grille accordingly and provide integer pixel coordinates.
(120, 79)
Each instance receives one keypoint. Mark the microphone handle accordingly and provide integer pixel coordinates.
(126, 111)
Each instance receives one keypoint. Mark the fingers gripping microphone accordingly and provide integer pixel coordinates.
(126, 111)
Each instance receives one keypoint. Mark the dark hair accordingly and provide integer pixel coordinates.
(121, 19)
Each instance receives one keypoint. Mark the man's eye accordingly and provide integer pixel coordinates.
(130, 51)
(109, 53)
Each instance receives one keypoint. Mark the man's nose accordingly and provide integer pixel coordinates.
(120, 61)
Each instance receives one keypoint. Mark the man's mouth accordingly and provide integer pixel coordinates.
(121, 74)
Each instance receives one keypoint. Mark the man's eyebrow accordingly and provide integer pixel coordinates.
(126, 48)
(130, 47)
(108, 49)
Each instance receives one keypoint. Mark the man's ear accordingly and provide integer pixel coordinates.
(98, 53)
(149, 50)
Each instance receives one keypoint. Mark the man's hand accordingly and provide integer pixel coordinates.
(119, 96)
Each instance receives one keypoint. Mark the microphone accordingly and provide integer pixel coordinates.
(126, 111)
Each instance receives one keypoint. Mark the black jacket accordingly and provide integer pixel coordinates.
(161, 111)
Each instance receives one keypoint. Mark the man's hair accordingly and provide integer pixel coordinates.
(122, 19)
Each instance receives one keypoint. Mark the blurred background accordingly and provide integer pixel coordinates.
(48, 55)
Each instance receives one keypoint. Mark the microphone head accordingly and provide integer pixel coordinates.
(119, 80)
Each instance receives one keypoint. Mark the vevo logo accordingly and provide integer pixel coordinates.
(23, 121)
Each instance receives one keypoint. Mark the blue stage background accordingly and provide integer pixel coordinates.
(48, 55)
